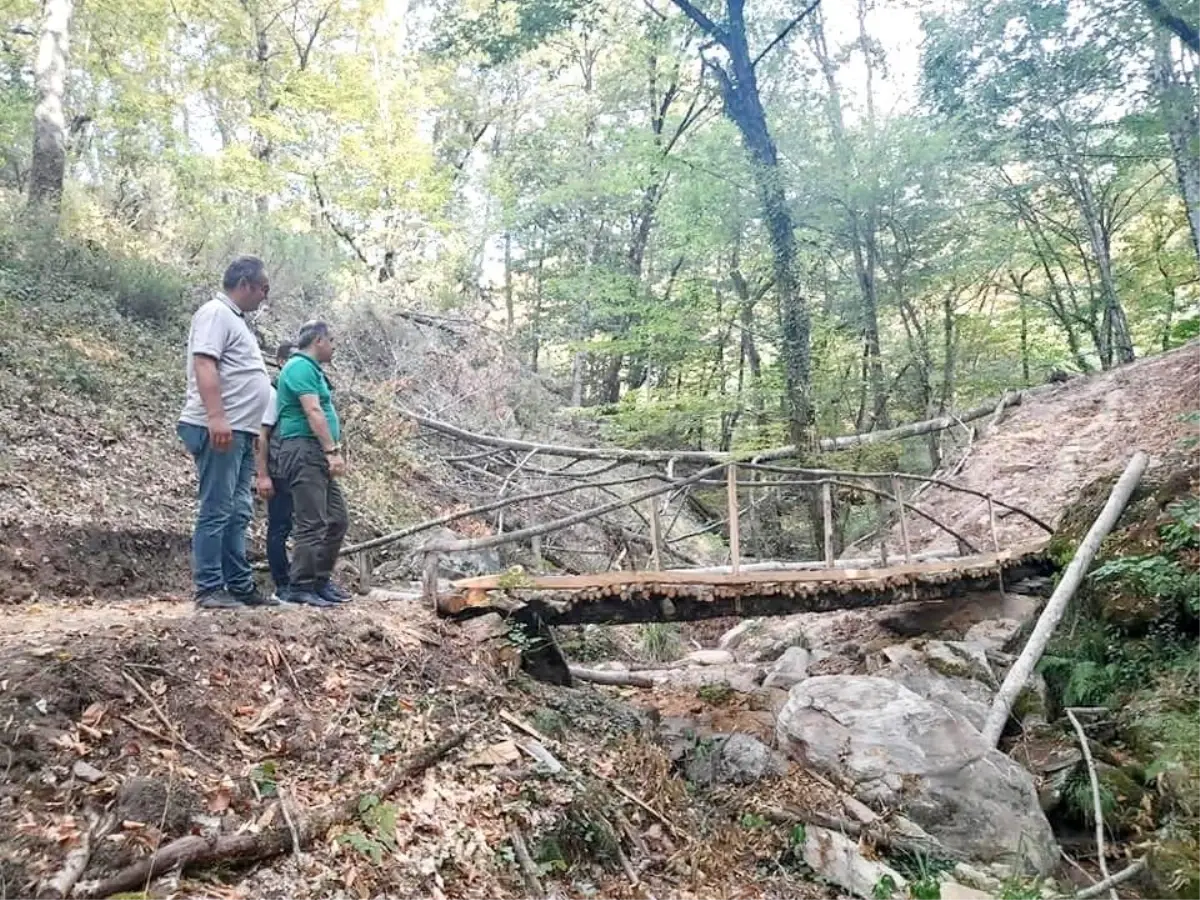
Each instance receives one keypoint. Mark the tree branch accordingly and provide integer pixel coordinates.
(1180, 27)
(782, 36)
(334, 227)
(707, 25)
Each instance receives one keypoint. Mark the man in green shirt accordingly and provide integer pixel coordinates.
(310, 459)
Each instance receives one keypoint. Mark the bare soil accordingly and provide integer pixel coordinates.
(1046, 450)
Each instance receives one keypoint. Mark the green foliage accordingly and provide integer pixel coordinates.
(524, 638)
(500, 32)
(753, 821)
(797, 838)
(660, 641)
(264, 777)
(717, 693)
(379, 819)
(885, 888)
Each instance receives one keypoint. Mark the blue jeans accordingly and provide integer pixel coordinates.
(279, 528)
(224, 510)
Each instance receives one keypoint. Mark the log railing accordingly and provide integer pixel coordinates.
(726, 474)
(585, 465)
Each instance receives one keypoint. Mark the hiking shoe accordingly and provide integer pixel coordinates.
(218, 599)
(254, 597)
(303, 597)
(334, 593)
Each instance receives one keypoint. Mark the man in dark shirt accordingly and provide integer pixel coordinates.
(310, 459)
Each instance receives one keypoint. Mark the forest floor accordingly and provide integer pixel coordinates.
(1046, 450)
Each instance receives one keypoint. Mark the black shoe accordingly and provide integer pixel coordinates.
(334, 593)
(218, 599)
(308, 597)
(253, 597)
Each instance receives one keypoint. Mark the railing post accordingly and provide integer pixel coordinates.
(429, 579)
(903, 524)
(881, 527)
(995, 539)
(655, 537)
(364, 571)
(735, 539)
(827, 521)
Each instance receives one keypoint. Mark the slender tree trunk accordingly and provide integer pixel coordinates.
(743, 107)
(1024, 307)
(510, 313)
(49, 164)
(862, 224)
(1181, 118)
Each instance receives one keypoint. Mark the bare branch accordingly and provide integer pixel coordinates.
(707, 25)
(782, 36)
(1182, 29)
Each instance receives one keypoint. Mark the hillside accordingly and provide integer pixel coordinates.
(1045, 451)
(98, 492)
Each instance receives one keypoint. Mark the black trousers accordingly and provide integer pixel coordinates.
(319, 516)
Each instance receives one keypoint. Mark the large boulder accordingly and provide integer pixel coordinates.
(902, 751)
(956, 675)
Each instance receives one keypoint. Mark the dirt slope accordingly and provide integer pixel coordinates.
(1045, 450)
(278, 714)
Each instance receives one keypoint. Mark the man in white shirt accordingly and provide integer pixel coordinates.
(227, 391)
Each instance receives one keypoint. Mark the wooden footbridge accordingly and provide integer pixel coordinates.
(690, 594)
(759, 589)
(656, 593)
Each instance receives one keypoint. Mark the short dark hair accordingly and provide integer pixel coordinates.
(310, 331)
(285, 350)
(245, 268)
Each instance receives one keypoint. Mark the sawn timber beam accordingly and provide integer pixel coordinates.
(683, 595)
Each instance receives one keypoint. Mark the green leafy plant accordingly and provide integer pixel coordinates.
(797, 836)
(885, 888)
(521, 638)
(717, 693)
(364, 844)
(379, 819)
(264, 778)
(660, 641)
(752, 821)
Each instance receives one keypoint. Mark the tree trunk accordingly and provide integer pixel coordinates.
(510, 313)
(49, 163)
(862, 225)
(743, 107)
(1181, 118)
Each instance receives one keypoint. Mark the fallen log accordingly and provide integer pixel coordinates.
(1121, 877)
(844, 442)
(618, 679)
(1056, 606)
(198, 850)
(895, 833)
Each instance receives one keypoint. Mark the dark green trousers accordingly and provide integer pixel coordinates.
(319, 517)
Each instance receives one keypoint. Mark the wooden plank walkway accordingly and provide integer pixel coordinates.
(683, 595)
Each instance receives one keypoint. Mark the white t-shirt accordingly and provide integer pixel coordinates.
(219, 331)
(271, 414)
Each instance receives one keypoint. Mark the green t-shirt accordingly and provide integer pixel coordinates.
(303, 375)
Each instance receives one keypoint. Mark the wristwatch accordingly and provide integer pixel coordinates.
(334, 450)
